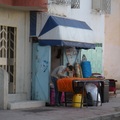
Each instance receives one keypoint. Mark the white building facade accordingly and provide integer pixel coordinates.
(16, 52)
(61, 13)
(18, 24)
(93, 13)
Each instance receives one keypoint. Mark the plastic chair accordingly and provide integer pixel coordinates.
(112, 85)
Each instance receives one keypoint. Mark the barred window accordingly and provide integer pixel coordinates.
(106, 6)
(61, 2)
(103, 6)
(8, 37)
(75, 4)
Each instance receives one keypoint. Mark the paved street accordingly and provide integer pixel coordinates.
(108, 111)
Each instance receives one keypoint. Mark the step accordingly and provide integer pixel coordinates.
(17, 97)
(25, 104)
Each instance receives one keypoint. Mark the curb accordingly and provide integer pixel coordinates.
(111, 116)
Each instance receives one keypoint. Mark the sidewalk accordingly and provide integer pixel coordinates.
(108, 111)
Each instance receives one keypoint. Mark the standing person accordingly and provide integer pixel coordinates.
(57, 73)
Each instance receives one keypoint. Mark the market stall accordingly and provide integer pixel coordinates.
(79, 86)
(57, 41)
(65, 84)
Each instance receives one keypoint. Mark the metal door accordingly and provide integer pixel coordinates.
(41, 72)
(8, 37)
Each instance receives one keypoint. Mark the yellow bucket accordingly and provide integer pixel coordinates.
(76, 101)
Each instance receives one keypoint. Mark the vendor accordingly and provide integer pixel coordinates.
(57, 73)
(71, 72)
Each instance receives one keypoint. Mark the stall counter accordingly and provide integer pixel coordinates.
(65, 84)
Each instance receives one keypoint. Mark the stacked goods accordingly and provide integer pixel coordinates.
(78, 71)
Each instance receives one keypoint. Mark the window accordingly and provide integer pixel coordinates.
(61, 2)
(75, 4)
(8, 53)
(103, 6)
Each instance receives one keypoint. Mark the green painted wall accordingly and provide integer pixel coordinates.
(95, 57)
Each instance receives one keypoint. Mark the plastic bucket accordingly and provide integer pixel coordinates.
(77, 101)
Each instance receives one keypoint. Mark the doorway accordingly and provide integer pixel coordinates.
(8, 54)
(56, 57)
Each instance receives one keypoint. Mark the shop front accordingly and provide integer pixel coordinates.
(58, 41)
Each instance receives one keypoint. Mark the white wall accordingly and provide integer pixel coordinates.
(106, 30)
(20, 20)
(84, 13)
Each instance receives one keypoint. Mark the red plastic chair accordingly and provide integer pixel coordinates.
(112, 85)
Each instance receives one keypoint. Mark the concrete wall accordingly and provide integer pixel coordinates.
(4, 77)
(84, 13)
(20, 20)
(106, 30)
(33, 3)
(112, 43)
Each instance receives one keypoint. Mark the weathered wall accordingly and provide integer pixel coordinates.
(84, 13)
(36, 3)
(112, 43)
(20, 20)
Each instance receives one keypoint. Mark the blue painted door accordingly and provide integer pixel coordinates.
(41, 72)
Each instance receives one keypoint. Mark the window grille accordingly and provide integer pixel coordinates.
(75, 4)
(8, 53)
(106, 6)
(103, 6)
(61, 2)
(3, 41)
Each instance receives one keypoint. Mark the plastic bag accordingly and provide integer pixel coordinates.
(93, 90)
